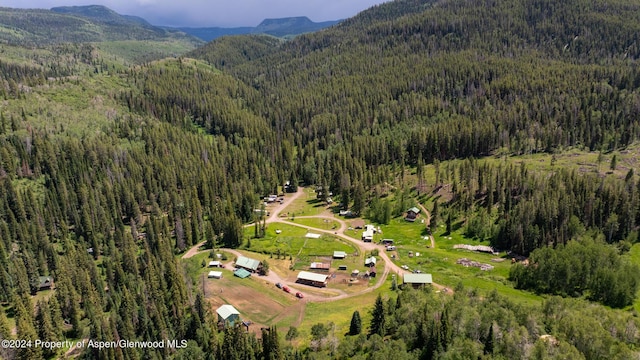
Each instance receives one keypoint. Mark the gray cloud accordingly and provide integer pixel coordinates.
(224, 13)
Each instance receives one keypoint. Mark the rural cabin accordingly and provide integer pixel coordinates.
(215, 275)
(288, 187)
(313, 279)
(215, 263)
(412, 214)
(45, 283)
(347, 213)
(248, 264)
(370, 261)
(339, 254)
(417, 280)
(367, 234)
(228, 314)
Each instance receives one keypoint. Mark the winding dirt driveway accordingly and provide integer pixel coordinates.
(273, 277)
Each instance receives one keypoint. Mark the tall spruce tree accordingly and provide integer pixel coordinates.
(355, 328)
(378, 319)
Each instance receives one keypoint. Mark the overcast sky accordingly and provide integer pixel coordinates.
(223, 13)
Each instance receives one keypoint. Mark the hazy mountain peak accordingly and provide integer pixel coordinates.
(298, 20)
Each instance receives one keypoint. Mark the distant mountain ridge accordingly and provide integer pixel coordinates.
(93, 23)
(100, 13)
(281, 27)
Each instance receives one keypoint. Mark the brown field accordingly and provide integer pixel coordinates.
(257, 301)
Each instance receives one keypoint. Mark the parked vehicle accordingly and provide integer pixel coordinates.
(279, 286)
(299, 295)
(286, 289)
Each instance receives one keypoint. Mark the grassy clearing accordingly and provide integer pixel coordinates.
(414, 250)
(318, 223)
(292, 241)
(135, 51)
(305, 205)
(403, 232)
(339, 312)
(75, 107)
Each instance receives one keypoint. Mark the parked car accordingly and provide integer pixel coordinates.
(299, 295)
(286, 289)
(279, 286)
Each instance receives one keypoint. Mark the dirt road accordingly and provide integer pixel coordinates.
(274, 217)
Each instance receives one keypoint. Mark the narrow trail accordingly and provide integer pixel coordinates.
(427, 223)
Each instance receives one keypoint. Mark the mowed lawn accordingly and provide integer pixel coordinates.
(281, 238)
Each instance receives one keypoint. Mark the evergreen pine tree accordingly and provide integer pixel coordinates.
(433, 222)
(26, 330)
(356, 324)
(488, 342)
(44, 324)
(358, 198)
(378, 320)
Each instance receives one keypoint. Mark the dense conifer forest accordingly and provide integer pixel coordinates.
(109, 171)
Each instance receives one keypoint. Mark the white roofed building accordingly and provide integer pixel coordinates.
(313, 279)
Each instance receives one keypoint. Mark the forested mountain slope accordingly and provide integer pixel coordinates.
(100, 195)
(107, 172)
(469, 77)
(419, 81)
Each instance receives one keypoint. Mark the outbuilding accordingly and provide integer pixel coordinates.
(319, 266)
(417, 280)
(313, 279)
(215, 275)
(412, 214)
(248, 264)
(370, 261)
(242, 273)
(339, 254)
(228, 314)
